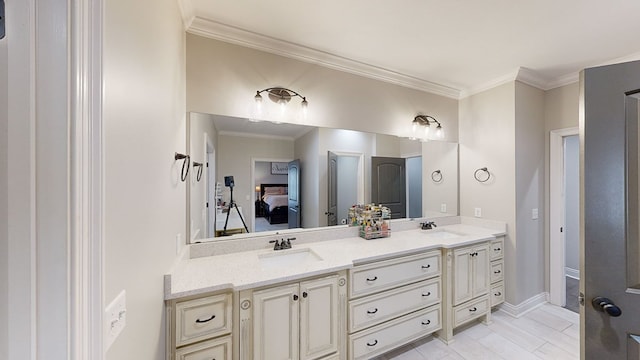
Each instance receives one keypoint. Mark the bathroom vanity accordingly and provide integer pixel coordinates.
(333, 295)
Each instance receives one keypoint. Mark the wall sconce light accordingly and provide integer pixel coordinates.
(280, 96)
(258, 192)
(423, 123)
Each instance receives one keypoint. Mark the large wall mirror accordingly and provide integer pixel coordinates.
(296, 176)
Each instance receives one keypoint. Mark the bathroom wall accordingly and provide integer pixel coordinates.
(4, 209)
(443, 156)
(144, 125)
(199, 125)
(307, 150)
(223, 78)
(263, 174)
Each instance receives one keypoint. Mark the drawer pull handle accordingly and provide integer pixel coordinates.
(497, 272)
(427, 294)
(372, 312)
(427, 266)
(373, 279)
(474, 309)
(426, 323)
(207, 320)
(497, 294)
(375, 342)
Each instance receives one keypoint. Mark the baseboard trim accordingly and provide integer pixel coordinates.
(525, 306)
(572, 273)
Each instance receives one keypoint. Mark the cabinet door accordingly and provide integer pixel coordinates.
(481, 278)
(462, 280)
(319, 307)
(275, 324)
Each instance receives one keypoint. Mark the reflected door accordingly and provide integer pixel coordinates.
(388, 184)
(610, 193)
(332, 189)
(294, 194)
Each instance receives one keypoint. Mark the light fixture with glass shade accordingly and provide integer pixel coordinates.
(280, 96)
(422, 126)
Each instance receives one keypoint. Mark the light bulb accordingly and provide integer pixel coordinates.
(439, 132)
(426, 130)
(305, 106)
(414, 126)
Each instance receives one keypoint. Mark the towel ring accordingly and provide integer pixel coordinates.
(436, 176)
(199, 174)
(185, 165)
(478, 173)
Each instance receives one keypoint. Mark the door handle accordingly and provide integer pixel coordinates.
(606, 305)
(328, 213)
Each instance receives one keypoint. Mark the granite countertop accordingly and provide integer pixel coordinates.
(245, 270)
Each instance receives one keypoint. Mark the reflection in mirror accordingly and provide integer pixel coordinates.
(335, 169)
(632, 114)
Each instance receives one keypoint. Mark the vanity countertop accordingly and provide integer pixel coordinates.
(245, 270)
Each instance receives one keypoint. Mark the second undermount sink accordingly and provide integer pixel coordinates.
(442, 234)
(289, 257)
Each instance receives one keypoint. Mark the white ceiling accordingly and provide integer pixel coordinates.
(452, 47)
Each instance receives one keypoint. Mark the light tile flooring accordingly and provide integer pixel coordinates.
(548, 332)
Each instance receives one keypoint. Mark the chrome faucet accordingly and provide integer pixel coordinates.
(428, 225)
(282, 244)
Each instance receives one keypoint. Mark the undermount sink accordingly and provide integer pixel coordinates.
(442, 234)
(290, 257)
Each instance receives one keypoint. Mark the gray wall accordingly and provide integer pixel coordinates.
(262, 174)
(414, 188)
(572, 201)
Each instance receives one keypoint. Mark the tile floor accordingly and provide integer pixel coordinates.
(548, 332)
(263, 225)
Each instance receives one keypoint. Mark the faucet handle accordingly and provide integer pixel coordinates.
(278, 244)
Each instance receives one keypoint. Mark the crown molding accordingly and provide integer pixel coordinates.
(187, 11)
(489, 84)
(230, 34)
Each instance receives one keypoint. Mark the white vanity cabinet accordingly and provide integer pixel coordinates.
(304, 320)
(393, 302)
(200, 327)
(468, 285)
(497, 271)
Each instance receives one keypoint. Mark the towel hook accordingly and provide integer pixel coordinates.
(185, 165)
(436, 176)
(477, 174)
(199, 174)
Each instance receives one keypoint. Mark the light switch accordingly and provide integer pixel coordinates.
(534, 214)
(443, 208)
(477, 212)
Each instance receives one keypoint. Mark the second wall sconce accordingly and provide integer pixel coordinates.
(422, 124)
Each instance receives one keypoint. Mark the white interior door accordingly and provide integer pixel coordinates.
(611, 211)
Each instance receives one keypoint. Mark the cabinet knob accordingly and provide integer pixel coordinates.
(375, 342)
(305, 294)
(295, 297)
(199, 321)
(497, 249)
(497, 294)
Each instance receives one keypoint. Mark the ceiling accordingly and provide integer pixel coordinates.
(451, 47)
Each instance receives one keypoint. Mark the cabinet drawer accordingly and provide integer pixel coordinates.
(497, 249)
(497, 294)
(469, 311)
(497, 271)
(218, 349)
(374, 309)
(381, 338)
(203, 318)
(384, 275)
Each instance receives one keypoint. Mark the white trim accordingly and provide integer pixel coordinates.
(557, 281)
(86, 185)
(524, 307)
(215, 30)
(572, 273)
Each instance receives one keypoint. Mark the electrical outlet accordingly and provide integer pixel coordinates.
(477, 212)
(443, 208)
(115, 319)
(534, 214)
(178, 243)
(343, 221)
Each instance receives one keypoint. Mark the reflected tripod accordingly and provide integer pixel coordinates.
(232, 204)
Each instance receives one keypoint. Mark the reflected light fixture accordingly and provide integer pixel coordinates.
(423, 123)
(281, 96)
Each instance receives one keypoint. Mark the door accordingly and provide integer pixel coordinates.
(294, 216)
(332, 189)
(275, 324)
(611, 217)
(480, 270)
(462, 280)
(319, 318)
(388, 186)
